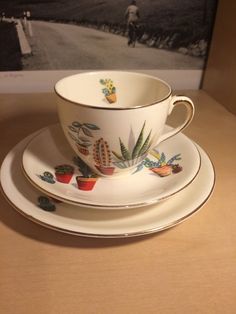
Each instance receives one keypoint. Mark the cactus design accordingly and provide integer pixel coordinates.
(64, 173)
(81, 134)
(46, 204)
(101, 153)
(161, 166)
(165, 167)
(47, 177)
(109, 90)
(87, 180)
(127, 158)
(102, 157)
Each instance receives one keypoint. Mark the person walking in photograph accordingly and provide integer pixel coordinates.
(132, 16)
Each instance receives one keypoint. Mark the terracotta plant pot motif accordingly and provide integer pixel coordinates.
(64, 173)
(163, 167)
(83, 150)
(111, 98)
(85, 184)
(160, 165)
(162, 171)
(109, 90)
(86, 181)
(106, 170)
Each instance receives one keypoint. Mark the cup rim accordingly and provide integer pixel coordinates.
(112, 108)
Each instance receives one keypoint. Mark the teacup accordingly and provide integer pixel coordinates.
(113, 119)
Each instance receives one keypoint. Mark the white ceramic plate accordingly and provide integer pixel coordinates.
(178, 160)
(89, 222)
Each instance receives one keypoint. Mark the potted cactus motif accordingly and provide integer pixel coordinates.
(109, 90)
(81, 133)
(160, 165)
(45, 203)
(163, 167)
(64, 173)
(127, 157)
(162, 171)
(88, 178)
(102, 157)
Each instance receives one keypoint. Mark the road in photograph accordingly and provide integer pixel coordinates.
(65, 46)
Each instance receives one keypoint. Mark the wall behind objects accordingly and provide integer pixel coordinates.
(220, 75)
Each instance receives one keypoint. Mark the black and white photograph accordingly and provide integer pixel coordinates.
(105, 34)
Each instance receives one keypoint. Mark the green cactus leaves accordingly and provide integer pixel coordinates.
(76, 124)
(84, 133)
(140, 148)
(76, 129)
(124, 151)
(91, 126)
(118, 156)
(84, 169)
(138, 144)
(146, 145)
(63, 169)
(87, 131)
(46, 204)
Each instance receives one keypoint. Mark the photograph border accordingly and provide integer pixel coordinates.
(43, 81)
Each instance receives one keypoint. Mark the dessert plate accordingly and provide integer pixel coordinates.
(99, 223)
(51, 165)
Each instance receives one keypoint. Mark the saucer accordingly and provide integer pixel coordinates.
(82, 221)
(52, 166)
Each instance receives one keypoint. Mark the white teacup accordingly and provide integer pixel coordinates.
(113, 119)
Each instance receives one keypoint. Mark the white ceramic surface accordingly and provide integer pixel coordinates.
(112, 119)
(99, 223)
(49, 149)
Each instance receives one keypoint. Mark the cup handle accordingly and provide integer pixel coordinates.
(176, 100)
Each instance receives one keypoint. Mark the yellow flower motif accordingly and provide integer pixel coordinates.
(109, 89)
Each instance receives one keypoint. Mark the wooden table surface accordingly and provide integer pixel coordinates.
(190, 268)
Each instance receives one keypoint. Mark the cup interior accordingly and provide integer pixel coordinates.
(112, 89)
